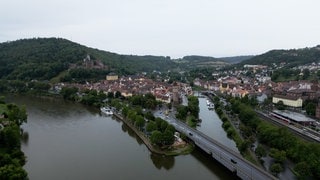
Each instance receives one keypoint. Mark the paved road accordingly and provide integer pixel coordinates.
(230, 159)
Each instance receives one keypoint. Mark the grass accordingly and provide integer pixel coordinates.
(180, 151)
(191, 121)
(57, 78)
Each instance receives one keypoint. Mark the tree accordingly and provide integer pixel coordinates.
(118, 94)
(182, 112)
(303, 169)
(136, 100)
(279, 156)
(132, 115)
(230, 132)
(12, 172)
(149, 116)
(16, 114)
(163, 126)
(110, 95)
(150, 104)
(156, 137)
(158, 122)
(311, 108)
(224, 119)
(280, 105)
(276, 168)
(167, 137)
(11, 136)
(193, 106)
(139, 121)
(306, 74)
(171, 128)
(260, 151)
(151, 126)
(219, 111)
(69, 93)
(11, 157)
(244, 146)
(101, 95)
(125, 111)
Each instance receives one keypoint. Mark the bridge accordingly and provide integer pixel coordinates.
(227, 157)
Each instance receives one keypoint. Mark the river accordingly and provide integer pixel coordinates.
(71, 141)
(211, 125)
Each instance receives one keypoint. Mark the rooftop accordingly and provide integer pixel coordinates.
(294, 116)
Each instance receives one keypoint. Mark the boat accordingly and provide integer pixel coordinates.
(211, 106)
(208, 102)
(106, 110)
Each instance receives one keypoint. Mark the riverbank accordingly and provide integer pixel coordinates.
(178, 151)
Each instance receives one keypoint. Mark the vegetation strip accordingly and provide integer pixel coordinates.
(140, 135)
(12, 158)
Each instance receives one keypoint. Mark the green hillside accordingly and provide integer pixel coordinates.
(236, 59)
(289, 58)
(46, 58)
(194, 62)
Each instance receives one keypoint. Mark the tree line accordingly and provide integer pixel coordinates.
(189, 113)
(12, 159)
(284, 145)
(46, 58)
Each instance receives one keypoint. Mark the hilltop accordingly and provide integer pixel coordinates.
(57, 59)
(288, 58)
(195, 61)
(47, 58)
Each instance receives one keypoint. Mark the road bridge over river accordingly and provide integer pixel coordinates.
(227, 157)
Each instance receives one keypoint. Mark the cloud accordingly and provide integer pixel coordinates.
(167, 27)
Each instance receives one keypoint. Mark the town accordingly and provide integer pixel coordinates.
(289, 94)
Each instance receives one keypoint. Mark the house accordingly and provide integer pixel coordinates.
(163, 98)
(295, 102)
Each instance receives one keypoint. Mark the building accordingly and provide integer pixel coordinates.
(295, 102)
(175, 94)
(88, 63)
(295, 117)
(163, 98)
(112, 77)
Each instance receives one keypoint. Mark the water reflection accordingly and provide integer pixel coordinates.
(64, 140)
(159, 161)
(207, 161)
(131, 133)
(24, 137)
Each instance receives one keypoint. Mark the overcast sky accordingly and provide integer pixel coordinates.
(167, 27)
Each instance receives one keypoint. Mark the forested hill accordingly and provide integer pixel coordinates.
(195, 61)
(289, 58)
(236, 59)
(46, 58)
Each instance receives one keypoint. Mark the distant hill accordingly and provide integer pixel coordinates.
(289, 58)
(194, 61)
(46, 58)
(235, 59)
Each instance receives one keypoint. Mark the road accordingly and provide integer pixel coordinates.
(227, 157)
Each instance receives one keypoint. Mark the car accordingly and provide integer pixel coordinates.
(233, 161)
(190, 134)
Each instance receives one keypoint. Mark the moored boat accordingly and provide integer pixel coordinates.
(211, 106)
(106, 110)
